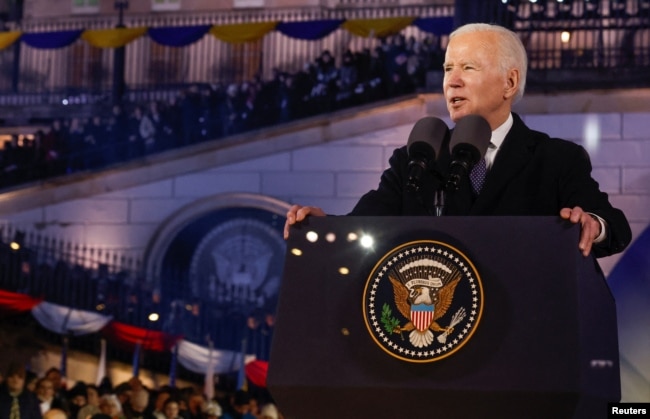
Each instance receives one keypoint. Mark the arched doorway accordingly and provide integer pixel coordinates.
(216, 267)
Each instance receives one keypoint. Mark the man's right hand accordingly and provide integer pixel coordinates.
(298, 213)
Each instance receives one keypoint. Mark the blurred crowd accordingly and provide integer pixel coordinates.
(397, 66)
(23, 395)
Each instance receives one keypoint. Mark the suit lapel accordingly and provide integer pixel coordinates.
(513, 155)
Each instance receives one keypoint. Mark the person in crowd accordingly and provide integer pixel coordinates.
(190, 107)
(77, 398)
(111, 406)
(239, 406)
(13, 162)
(213, 410)
(156, 117)
(117, 134)
(46, 396)
(232, 108)
(54, 150)
(347, 82)
(269, 411)
(92, 405)
(158, 408)
(55, 414)
(171, 409)
(137, 406)
(15, 401)
(95, 144)
(529, 173)
(196, 403)
(141, 134)
(31, 379)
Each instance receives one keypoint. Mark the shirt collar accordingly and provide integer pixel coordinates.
(499, 134)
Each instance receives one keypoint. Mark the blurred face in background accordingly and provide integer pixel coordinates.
(45, 390)
(160, 401)
(15, 383)
(171, 410)
(93, 396)
(109, 407)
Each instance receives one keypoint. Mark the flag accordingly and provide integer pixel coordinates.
(208, 384)
(101, 367)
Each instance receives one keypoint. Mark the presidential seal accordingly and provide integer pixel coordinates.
(423, 301)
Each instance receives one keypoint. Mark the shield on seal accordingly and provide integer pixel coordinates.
(422, 316)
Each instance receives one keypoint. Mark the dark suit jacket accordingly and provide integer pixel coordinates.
(29, 407)
(532, 174)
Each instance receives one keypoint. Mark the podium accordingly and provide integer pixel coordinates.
(544, 344)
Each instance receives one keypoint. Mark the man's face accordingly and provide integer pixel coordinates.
(15, 383)
(55, 378)
(45, 390)
(171, 409)
(473, 80)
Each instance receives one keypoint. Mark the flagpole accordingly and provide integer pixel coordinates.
(172, 366)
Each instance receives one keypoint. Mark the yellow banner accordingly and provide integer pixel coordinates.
(8, 38)
(112, 38)
(242, 32)
(377, 28)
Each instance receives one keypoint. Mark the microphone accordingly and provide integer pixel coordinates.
(469, 142)
(425, 141)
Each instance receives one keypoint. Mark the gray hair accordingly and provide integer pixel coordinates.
(511, 51)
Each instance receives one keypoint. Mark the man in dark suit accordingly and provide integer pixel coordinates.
(16, 402)
(528, 172)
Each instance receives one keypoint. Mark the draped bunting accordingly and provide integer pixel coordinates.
(256, 372)
(196, 358)
(243, 32)
(180, 36)
(309, 30)
(112, 38)
(150, 340)
(377, 28)
(51, 40)
(65, 320)
(8, 38)
(12, 301)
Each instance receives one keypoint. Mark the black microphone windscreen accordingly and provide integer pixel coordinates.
(471, 132)
(427, 137)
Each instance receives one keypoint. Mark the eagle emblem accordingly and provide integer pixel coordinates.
(423, 301)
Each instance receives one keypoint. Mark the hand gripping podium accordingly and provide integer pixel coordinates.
(449, 317)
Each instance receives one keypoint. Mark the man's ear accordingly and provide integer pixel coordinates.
(512, 83)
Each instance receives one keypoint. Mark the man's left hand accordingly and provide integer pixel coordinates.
(590, 227)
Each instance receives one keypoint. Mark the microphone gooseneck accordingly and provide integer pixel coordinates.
(427, 138)
(469, 141)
